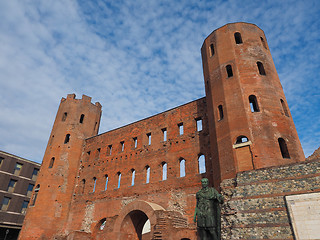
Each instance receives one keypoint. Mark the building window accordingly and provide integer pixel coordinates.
(1, 161)
(67, 139)
(135, 142)
(253, 103)
(148, 174)
(81, 118)
(202, 164)
(263, 42)
(149, 138)
(64, 117)
(29, 190)
(102, 224)
(283, 148)
(220, 112)
(24, 207)
(94, 184)
(122, 146)
(180, 126)
(119, 179)
(211, 50)
(199, 124)
(238, 38)
(261, 68)
(11, 185)
(133, 176)
(182, 167)
(106, 184)
(164, 132)
(5, 203)
(51, 162)
(35, 195)
(284, 107)
(164, 170)
(17, 169)
(229, 71)
(242, 139)
(35, 174)
(109, 150)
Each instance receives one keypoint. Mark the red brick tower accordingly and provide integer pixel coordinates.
(249, 120)
(76, 120)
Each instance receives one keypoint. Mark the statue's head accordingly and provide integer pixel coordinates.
(204, 182)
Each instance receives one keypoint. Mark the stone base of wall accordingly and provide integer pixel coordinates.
(255, 206)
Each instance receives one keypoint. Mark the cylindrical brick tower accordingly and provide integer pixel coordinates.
(76, 120)
(249, 120)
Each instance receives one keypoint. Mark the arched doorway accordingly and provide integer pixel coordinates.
(133, 226)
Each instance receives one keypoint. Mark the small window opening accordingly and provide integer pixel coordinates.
(135, 142)
(220, 112)
(5, 203)
(11, 185)
(242, 139)
(35, 195)
(180, 126)
(253, 103)
(64, 117)
(182, 168)
(263, 42)
(199, 124)
(81, 118)
(229, 70)
(106, 184)
(202, 164)
(283, 148)
(102, 224)
(67, 139)
(133, 176)
(24, 207)
(51, 162)
(94, 184)
(149, 138)
(164, 170)
(211, 50)
(17, 169)
(122, 146)
(238, 38)
(148, 174)
(284, 107)
(119, 179)
(261, 68)
(109, 150)
(164, 132)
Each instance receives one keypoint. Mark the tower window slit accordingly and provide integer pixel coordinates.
(253, 103)
(229, 71)
(261, 68)
(211, 50)
(283, 148)
(238, 38)
(220, 112)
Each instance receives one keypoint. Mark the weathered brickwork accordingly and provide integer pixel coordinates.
(255, 206)
(139, 181)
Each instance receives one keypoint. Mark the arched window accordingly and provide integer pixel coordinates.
(263, 42)
(35, 195)
(182, 167)
(106, 184)
(67, 139)
(81, 118)
(64, 116)
(242, 139)
(51, 162)
(133, 176)
(220, 112)
(82, 186)
(148, 174)
(237, 38)
(164, 170)
(211, 50)
(94, 184)
(102, 224)
(253, 103)
(283, 148)
(119, 179)
(229, 71)
(202, 164)
(284, 107)
(261, 68)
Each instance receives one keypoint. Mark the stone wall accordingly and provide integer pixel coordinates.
(255, 206)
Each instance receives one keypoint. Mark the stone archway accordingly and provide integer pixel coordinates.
(131, 220)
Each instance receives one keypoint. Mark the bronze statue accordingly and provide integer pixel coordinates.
(207, 213)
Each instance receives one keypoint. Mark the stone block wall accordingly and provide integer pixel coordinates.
(255, 206)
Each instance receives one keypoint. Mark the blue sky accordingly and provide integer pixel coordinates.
(138, 58)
